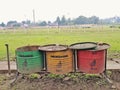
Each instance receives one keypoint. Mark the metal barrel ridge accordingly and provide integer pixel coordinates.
(29, 59)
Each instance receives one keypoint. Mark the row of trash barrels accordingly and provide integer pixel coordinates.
(86, 57)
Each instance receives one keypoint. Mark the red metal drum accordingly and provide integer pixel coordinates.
(91, 61)
(89, 58)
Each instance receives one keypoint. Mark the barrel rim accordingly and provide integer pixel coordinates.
(21, 49)
(42, 47)
(100, 45)
(94, 46)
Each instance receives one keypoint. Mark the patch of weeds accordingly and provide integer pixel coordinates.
(2, 78)
(60, 76)
(71, 75)
(101, 82)
(34, 76)
(109, 73)
(78, 74)
(55, 76)
(90, 76)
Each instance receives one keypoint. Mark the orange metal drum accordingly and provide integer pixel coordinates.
(59, 62)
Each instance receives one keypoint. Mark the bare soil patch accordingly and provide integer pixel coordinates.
(76, 81)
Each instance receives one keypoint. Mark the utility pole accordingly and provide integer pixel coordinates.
(34, 16)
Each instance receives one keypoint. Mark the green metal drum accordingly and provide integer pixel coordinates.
(29, 59)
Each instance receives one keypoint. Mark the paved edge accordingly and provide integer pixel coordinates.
(111, 65)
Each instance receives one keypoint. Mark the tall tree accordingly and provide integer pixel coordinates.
(9, 23)
(43, 23)
(93, 20)
(63, 20)
(2, 24)
(81, 20)
(69, 21)
(58, 20)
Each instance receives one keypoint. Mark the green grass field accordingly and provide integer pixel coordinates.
(21, 37)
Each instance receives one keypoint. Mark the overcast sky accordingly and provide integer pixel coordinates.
(49, 9)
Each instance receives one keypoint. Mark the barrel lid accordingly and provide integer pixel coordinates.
(53, 47)
(83, 45)
(28, 48)
(101, 46)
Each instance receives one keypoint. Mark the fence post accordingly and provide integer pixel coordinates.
(7, 48)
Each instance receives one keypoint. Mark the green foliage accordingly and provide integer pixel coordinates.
(63, 21)
(2, 78)
(34, 76)
(101, 82)
(11, 22)
(90, 76)
(58, 20)
(43, 23)
(72, 75)
(109, 73)
(55, 76)
(2, 24)
(81, 20)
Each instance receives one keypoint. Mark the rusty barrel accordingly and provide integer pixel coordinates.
(59, 59)
(92, 59)
(29, 59)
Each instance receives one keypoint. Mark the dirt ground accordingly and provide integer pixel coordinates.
(74, 81)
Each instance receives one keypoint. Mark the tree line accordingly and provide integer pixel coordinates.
(66, 21)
